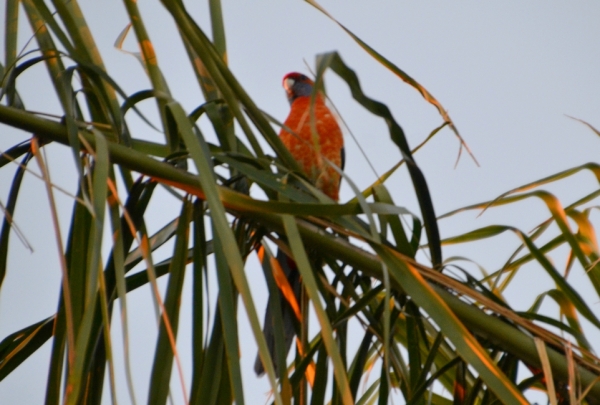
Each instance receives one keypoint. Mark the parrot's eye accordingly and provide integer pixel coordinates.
(289, 83)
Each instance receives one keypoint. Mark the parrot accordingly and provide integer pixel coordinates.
(313, 136)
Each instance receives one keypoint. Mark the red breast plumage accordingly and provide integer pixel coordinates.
(314, 135)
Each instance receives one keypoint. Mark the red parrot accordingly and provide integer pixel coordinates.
(312, 135)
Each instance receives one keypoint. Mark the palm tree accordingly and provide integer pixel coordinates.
(390, 313)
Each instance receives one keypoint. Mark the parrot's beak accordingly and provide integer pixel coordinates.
(288, 83)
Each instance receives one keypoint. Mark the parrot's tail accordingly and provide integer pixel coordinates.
(293, 277)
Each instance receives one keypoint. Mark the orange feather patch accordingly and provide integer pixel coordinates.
(310, 150)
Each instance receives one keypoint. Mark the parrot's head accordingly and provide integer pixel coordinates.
(297, 85)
